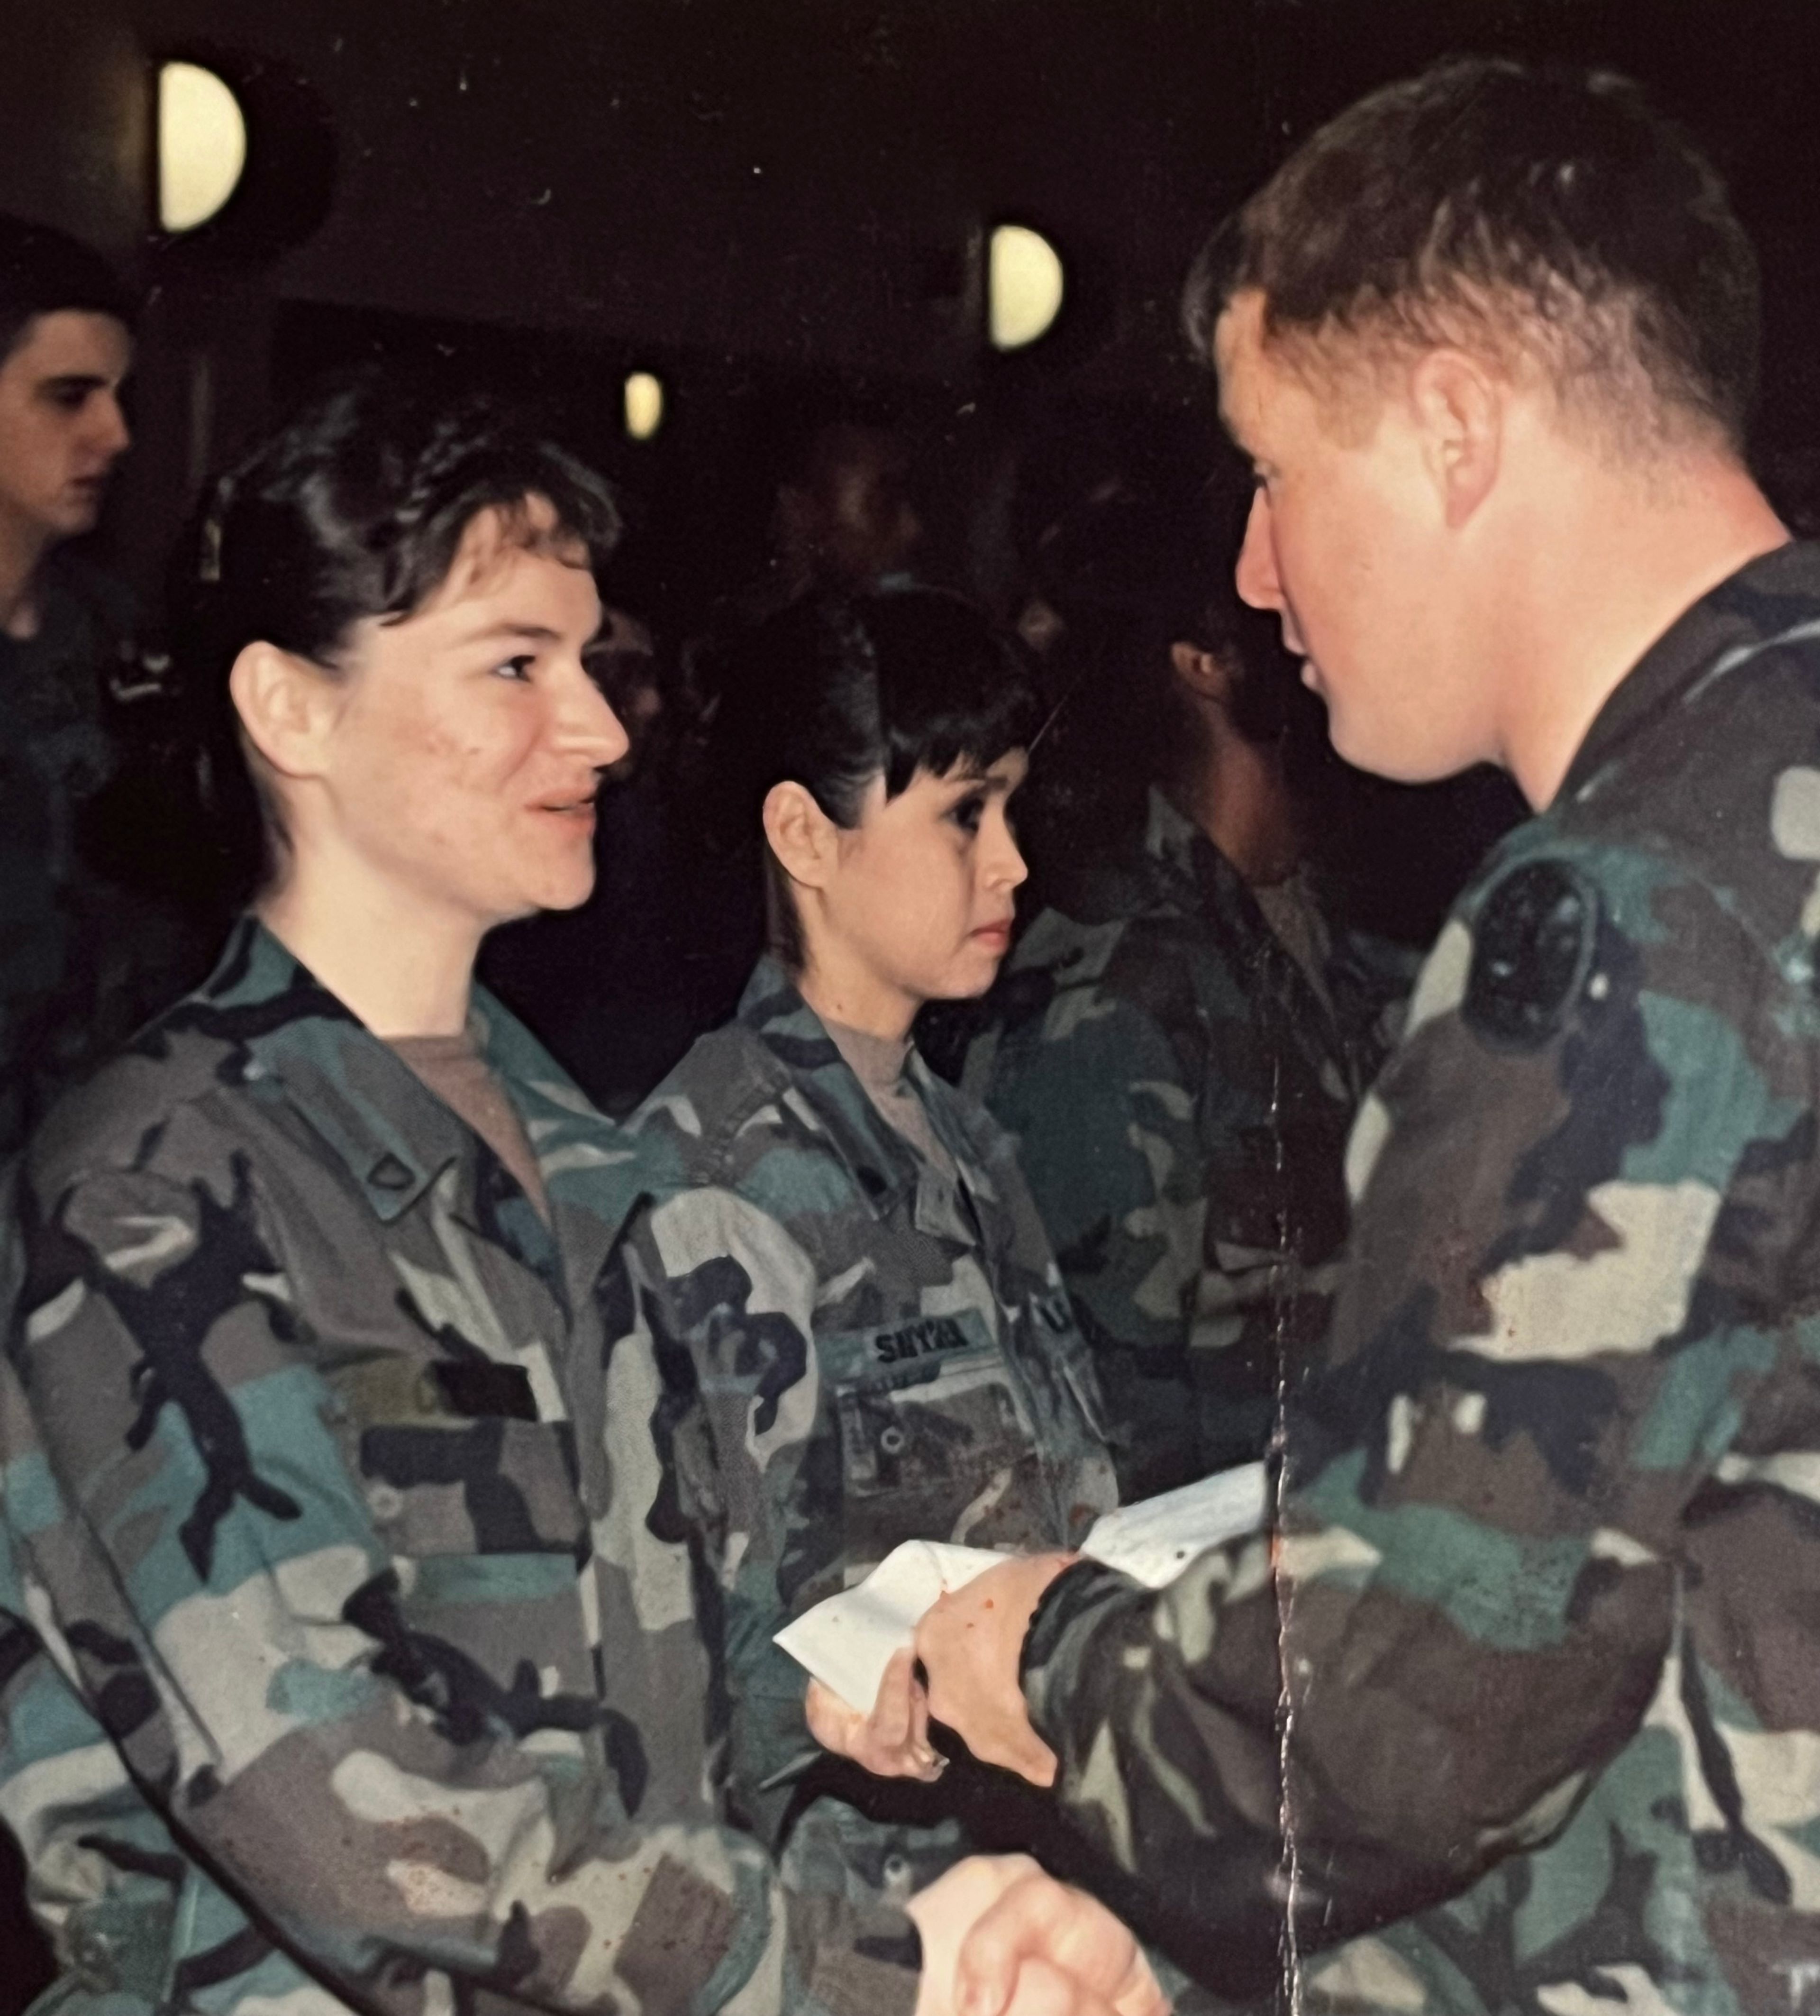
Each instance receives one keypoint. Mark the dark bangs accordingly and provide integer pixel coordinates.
(952, 689)
(836, 690)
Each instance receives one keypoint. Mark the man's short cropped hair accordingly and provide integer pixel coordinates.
(44, 270)
(1539, 211)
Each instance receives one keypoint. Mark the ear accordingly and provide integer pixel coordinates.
(802, 836)
(1204, 673)
(286, 706)
(1459, 404)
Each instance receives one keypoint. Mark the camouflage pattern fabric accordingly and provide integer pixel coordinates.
(859, 1353)
(83, 963)
(1543, 1599)
(346, 1662)
(1181, 1096)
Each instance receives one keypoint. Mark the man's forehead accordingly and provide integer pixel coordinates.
(72, 342)
(1238, 353)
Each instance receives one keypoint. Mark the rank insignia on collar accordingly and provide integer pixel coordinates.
(1532, 952)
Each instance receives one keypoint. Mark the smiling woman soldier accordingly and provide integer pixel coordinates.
(341, 1666)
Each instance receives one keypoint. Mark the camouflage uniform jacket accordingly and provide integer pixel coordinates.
(345, 1661)
(82, 961)
(1180, 1095)
(867, 1353)
(1546, 1576)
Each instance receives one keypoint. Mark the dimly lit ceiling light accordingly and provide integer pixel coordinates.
(644, 404)
(202, 145)
(1024, 286)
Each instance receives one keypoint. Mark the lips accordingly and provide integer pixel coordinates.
(580, 809)
(997, 935)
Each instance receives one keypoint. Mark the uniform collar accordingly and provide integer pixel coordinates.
(1761, 602)
(885, 1169)
(1187, 865)
(390, 1131)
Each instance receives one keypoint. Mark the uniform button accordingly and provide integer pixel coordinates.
(384, 1501)
(892, 1441)
(897, 1868)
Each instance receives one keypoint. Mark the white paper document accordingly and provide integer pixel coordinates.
(847, 1640)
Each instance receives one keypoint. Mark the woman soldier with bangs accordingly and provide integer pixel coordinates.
(863, 1334)
(343, 1663)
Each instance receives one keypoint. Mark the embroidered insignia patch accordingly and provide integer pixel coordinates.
(1532, 951)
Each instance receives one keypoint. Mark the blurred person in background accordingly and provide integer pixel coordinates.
(1181, 1037)
(83, 958)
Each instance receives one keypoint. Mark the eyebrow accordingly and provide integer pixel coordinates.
(529, 633)
(74, 381)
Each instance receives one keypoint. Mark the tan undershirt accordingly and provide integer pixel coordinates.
(878, 1063)
(454, 1069)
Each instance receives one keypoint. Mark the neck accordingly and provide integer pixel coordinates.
(403, 970)
(1620, 557)
(1237, 796)
(22, 547)
(840, 992)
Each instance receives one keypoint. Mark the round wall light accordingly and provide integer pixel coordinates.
(202, 145)
(644, 404)
(1024, 286)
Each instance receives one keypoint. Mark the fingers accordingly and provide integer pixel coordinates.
(1037, 1918)
(1042, 1988)
(893, 1742)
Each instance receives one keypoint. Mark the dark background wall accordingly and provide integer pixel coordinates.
(772, 202)
(747, 192)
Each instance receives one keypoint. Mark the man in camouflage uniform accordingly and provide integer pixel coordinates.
(82, 961)
(863, 1348)
(1522, 1699)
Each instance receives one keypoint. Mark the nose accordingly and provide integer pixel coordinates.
(587, 724)
(113, 437)
(1256, 576)
(1005, 866)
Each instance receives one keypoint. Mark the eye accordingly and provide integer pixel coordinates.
(517, 668)
(967, 812)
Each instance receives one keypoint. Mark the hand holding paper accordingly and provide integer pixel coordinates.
(890, 1742)
(847, 1642)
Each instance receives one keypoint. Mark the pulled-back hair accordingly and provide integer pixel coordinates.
(837, 689)
(1540, 210)
(355, 509)
(44, 270)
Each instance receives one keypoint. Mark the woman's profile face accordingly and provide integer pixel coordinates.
(923, 891)
(463, 761)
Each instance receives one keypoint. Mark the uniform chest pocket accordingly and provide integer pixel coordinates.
(925, 1406)
(453, 1461)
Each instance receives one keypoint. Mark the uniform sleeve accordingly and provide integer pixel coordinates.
(1581, 1181)
(726, 1299)
(391, 1820)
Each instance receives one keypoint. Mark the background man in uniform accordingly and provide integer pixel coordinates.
(1520, 1708)
(82, 961)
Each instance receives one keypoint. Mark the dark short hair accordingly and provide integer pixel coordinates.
(44, 270)
(838, 690)
(1433, 208)
(355, 509)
